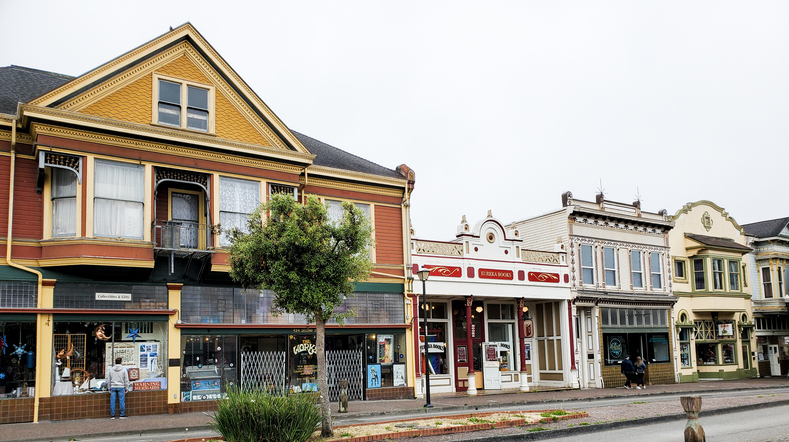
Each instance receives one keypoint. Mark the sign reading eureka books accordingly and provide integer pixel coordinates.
(495, 274)
(113, 297)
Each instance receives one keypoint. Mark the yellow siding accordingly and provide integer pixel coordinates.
(132, 103)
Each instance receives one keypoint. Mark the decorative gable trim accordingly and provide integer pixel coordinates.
(724, 214)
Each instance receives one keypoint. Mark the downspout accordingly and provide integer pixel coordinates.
(8, 246)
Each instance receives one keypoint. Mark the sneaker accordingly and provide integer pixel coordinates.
(625, 387)
(636, 387)
(123, 417)
(644, 387)
(113, 418)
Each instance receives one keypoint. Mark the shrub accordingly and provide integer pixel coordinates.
(251, 416)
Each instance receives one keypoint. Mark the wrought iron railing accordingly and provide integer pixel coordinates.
(182, 236)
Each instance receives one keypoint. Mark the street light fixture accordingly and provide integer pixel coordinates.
(423, 275)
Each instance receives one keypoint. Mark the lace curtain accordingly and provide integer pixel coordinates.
(237, 200)
(119, 200)
(64, 202)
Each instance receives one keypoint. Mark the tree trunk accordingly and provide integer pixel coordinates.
(323, 386)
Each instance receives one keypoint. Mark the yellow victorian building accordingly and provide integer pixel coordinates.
(713, 316)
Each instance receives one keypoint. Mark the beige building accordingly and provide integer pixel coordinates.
(713, 316)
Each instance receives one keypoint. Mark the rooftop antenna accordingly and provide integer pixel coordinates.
(600, 189)
(638, 196)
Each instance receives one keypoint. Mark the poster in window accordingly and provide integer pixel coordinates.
(385, 349)
(527, 352)
(374, 376)
(462, 354)
(490, 353)
(725, 330)
(398, 371)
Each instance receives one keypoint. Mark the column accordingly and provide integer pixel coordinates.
(174, 346)
(524, 376)
(44, 325)
(472, 386)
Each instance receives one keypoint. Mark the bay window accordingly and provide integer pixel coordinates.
(717, 274)
(237, 200)
(767, 282)
(734, 276)
(698, 275)
(119, 198)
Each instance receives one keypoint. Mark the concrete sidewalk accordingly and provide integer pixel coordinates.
(442, 403)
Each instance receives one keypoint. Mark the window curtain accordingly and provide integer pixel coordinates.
(64, 202)
(237, 200)
(119, 198)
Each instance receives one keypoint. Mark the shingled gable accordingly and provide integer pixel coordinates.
(717, 243)
(766, 229)
(42, 89)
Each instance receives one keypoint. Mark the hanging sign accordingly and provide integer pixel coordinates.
(528, 328)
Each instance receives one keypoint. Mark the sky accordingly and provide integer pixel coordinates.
(496, 105)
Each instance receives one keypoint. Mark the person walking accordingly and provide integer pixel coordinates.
(628, 370)
(641, 367)
(119, 382)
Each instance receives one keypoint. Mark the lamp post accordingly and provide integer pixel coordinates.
(423, 275)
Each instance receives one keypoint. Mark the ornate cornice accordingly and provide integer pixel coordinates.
(20, 137)
(93, 242)
(546, 257)
(357, 176)
(436, 248)
(355, 187)
(621, 245)
(724, 214)
(600, 221)
(105, 262)
(93, 137)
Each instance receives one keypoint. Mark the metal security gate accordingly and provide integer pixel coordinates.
(345, 364)
(263, 371)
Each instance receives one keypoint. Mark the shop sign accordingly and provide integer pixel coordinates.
(544, 277)
(145, 386)
(432, 347)
(725, 330)
(304, 347)
(528, 328)
(495, 274)
(615, 348)
(445, 271)
(113, 297)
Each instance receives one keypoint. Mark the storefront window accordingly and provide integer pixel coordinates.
(436, 347)
(303, 364)
(85, 351)
(615, 349)
(707, 354)
(501, 333)
(727, 353)
(657, 347)
(684, 347)
(208, 366)
(387, 367)
(18, 359)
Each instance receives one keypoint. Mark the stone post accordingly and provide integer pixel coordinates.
(693, 430)
(342, 407)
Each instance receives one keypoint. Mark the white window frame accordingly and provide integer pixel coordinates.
(369, 212)
(656, 274)
(224, 239)
(612, 270)
(636, 268)
(98, 188)
(185, 84)
(54, 200)
(588, 266)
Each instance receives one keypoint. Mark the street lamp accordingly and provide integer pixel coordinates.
(423, 275)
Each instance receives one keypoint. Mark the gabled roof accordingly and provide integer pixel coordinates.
(766, 229)
(716, 242)
(21, 85)
(330, 156)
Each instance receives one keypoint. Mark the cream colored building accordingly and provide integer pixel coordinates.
(713, 317)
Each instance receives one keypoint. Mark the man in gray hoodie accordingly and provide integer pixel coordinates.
(118, 378)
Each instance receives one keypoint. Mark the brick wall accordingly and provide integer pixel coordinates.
(13, 411)
(97, 405)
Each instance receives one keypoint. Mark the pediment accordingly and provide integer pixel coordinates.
(123, 89)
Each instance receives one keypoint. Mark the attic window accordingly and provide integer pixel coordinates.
(183, 104)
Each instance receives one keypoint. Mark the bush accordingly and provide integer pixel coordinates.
(249, 416)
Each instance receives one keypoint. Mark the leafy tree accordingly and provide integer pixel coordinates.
(309, 262)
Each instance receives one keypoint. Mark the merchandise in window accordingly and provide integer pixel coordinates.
(85, 351)
(387, 360)
(684, 347)
(727, 354)
(636, 269)
(208, 366)
(64, 202)
(587, 264)
(119, 198)
(436, 347)
(17, 360)
(237, 200)
(609, 261)
(707, 354)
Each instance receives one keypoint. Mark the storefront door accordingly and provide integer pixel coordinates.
(775, 366)
(490, 366)
(464, 352)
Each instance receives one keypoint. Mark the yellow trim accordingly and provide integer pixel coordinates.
(98, 241)
(220, 268)
(200, 210)
(107, 262)
(184, 101)
(21, 138)
(173, 348)
(90, 163)
(327, 172)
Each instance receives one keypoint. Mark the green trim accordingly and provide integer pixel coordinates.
(635, 329)
(379, 287)
(282, 331)
(684, 378)
(8, 273)
(109, 318)
(704, 268)
(18, 317)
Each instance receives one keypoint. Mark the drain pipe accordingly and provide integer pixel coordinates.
(8, 252)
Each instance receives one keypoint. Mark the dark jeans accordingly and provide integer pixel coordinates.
(121, 394)
(630, 377)
(640, 379)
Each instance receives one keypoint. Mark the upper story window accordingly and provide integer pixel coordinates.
(335, 212)
(717, 274)
(274, 189)
(699, 282)
(734, 276)
(656, 270)
(679, 269)
(587, 264)
(237, 200)
(119, 199)
(780, 291)
(183, 104)
(767, 282)
(609, 263)
(636, 269)
(64, 202)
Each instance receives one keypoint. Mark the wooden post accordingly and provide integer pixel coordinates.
(693, 430)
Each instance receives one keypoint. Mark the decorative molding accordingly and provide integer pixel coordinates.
(105, 262)
(617, 244)
(329, 172)
(354, 187)
(546, 257)
(20, 137)
(437, 248)
(689, 206)
(602, 222)
(168, 149)
(184, 176)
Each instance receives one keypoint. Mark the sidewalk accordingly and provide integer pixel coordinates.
(441, 402)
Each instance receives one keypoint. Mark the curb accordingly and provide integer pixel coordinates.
(586, 429)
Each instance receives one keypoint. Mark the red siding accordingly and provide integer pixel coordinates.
(4, 172)
(28, 205)
(388, 235)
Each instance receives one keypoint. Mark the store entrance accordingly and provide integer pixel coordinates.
(461, 344)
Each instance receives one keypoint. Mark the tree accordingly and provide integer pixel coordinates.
(310, 263)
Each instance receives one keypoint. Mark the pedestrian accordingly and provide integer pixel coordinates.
(119, 382)
(640, 369)
(628, 370)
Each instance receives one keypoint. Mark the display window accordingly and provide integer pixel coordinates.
(652, 347)
(85, 351)
(727, 354)
(17, 359)
(208, 365)
(381, 348)
(684, 348)
(437, 361)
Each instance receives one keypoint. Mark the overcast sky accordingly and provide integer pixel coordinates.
(496, 105)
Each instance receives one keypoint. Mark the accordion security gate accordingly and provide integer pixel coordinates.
(266, 371)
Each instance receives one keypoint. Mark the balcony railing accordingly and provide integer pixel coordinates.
(182, 236)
